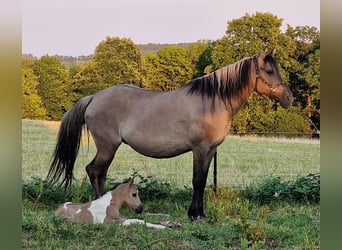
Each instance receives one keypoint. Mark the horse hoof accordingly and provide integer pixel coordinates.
(197, 217)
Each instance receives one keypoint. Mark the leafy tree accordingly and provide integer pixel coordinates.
(250, 35)
(305, 77)
(54, 86)
(263, 119)
(115, 61)
(245, 37)
(86, 81)
(169, 69)
(32, 105)
(119, 60)
(200, 55)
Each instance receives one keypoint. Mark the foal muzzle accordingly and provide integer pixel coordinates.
(138, 210)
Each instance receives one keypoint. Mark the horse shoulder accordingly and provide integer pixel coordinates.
(98, 208)
(212, 127)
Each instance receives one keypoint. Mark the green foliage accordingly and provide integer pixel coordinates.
(169, 69)
(38, 190)
(304, 189)
(230, 204)
(118, 60)
(259, 117)
(244, 225)
(54, 86)
(32, 105)
(115, 61)
(250, 35)
(223, 204)
(253, 231)
(151, 189)
(305, 74)
(200, 55)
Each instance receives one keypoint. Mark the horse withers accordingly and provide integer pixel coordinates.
(195, 117)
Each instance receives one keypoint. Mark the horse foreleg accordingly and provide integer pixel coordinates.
(201, 163)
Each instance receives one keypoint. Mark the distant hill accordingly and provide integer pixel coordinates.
(154, 47)
(150, 47)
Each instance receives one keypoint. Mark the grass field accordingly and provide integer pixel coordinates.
(241, 161)
(232, 219)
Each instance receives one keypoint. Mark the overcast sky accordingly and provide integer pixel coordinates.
(75, 27)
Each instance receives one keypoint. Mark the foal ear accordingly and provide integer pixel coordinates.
(131, 181)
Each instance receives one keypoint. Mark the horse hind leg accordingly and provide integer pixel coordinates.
(97, 169)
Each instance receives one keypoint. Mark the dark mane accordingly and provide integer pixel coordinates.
(224, 83)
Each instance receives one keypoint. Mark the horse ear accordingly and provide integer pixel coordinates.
(273, 52)
(131, 181)
(262, 55)
(265, 50)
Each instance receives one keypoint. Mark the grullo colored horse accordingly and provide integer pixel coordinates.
(195, 117)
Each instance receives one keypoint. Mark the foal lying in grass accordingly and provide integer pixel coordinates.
(106, 208)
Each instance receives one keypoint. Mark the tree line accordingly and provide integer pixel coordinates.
(50, 87)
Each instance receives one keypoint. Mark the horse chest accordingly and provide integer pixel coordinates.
(98, 208)
(214, 127)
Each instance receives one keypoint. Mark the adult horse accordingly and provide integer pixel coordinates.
(195, 117)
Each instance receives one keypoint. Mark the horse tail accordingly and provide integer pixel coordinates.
(68, 143)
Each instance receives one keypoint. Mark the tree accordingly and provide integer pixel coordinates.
(248, 36)
(54, 86)
(86, 80)
(119, 60)
(169, 69)
(311, 76)
(305, 77)
(200, 55)
(32, 105)
(115, 61)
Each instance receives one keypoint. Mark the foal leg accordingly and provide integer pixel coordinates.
(201, 163)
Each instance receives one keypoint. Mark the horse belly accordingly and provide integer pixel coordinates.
(157, 146)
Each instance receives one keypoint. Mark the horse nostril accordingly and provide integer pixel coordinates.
(289, 98)
(139, 209)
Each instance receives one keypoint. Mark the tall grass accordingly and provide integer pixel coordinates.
(241, 160)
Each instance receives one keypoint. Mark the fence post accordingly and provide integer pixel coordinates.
(215, 171)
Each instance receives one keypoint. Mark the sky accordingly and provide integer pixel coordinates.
(76, 27)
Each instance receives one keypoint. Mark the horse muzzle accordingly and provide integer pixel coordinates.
(287, 102)
(138, 210)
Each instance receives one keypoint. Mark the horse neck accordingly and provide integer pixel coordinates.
(237, 102)
(238, 80)
(116, 201)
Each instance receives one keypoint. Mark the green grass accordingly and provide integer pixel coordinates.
(234, 220)
(241, 161)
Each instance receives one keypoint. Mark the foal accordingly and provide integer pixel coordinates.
(104, 209)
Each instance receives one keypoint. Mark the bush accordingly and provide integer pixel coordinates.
(150, 189)
(38, 189)
(303, 189)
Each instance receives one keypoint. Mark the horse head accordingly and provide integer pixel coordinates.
(268, 80)
(130, 196)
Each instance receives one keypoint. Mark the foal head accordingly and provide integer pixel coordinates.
(128, 193)
(268, 80)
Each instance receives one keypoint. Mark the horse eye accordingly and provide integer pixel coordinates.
(134, 195)
(269, 70)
